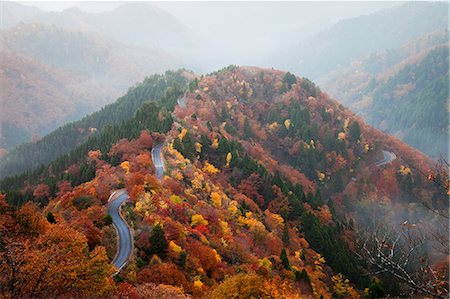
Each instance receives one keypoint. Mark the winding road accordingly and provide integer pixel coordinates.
(125, 242)
(117, 198)
(157, 160)
(388, 157)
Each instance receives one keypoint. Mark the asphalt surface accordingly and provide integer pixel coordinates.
(181, 102)
(388, 157)
(123, 231)
(157, 161)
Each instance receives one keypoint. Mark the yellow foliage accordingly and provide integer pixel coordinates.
(345, 124)
(209, 168)
(178, 176)
(229, 105)
(298, 254)
(250, 222)
(229, 157)
(145, 204)
(215, 143)
(182, 134)
(366, 148)
(125, 166)
(341, 136)
(321, 176)
(404, 170)
(163, 204)
(198, 219)
(287, 123)
(197, 182)
(266, 263)
(198, 147)
(216, 199)
(174, 247)
(176, 154)
(198, 284)
(176, 199)
(273, 126)
(233, 208)
(224, 227)
(341, 287)
(217, 256)
(274, 221)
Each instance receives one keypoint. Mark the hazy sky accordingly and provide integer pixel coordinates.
(246, 31)
(205, 17)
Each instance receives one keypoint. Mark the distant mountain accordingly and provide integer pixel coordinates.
(82, 70)
(36, 98)
(137, 24)
(14, 13)
(403, 91)
(352, 38)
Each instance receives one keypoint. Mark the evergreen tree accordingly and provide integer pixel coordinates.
(285, 260)
(51, 218)
(158, 242)
(376, 291)
(355, 131)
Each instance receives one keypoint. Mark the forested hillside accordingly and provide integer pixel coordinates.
(353, 38)
(53, 76)
(271, 189)
(36, 98)
(68, 137)
(403, 91)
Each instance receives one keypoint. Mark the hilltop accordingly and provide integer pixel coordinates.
(269, 184)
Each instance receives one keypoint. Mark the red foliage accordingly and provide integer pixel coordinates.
(42, 191)
(164, 274)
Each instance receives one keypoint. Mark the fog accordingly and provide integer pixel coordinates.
(242, 33)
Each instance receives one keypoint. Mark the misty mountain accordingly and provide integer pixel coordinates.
(403, 91)
(14, 13)
(36, 97)
(356, 37)
(83, 68)
(137, 24)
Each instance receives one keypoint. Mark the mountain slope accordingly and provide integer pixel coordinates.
(66, 138)
(403, 91)
(269, 184)
(136, 23)
(93, 72)
(14, 13)
(353, 38)
(37, 98)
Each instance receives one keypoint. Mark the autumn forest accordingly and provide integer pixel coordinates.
(243, 182)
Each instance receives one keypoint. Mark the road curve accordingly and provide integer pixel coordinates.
(124, 239)
(157, 160)
(388, 157)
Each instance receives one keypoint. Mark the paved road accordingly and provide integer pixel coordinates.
(123, 231)
(181, 102)
(157, 160)
(388, 157)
